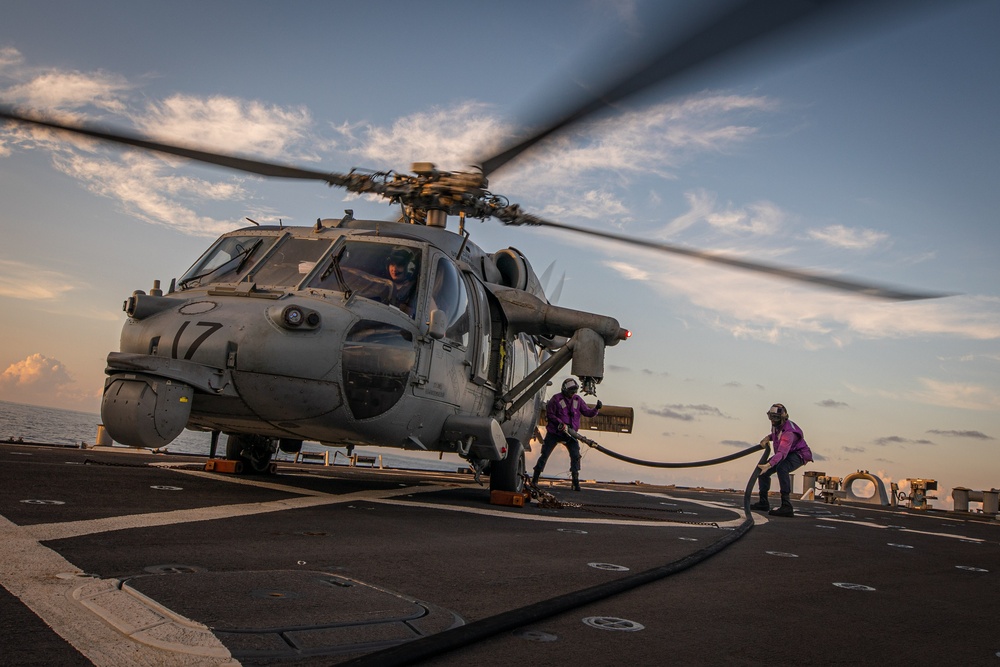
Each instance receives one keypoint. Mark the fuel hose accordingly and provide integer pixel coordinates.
(464, 635)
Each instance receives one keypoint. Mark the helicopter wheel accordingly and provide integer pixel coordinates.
(254, 451)
(508, 475)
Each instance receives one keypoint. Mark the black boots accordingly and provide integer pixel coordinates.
(534, 478)
(785, 509)
(761, 505)
(576, 481)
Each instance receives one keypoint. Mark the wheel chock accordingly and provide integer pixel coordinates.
(224, 465)
(508, 498)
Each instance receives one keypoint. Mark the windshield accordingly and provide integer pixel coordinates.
(389, 274)
(290, 262)
(227, 261)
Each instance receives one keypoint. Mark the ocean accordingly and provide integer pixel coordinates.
(35, 424)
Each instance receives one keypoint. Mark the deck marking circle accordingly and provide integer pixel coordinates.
(781, 554)
(574, 531)
(852, 587)
(70, 576)
(33, 501)
(899, 546)
(969, 568)
(160, 487)
(613, 623)
(173, 568)
(536, 635)
(274, 594)
(608, 566)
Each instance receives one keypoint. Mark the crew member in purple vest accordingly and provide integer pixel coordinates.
(563, 413)
(790, 453)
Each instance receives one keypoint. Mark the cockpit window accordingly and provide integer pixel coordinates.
(290, 262)
(381, 272)
(227, 261)
(451, 296)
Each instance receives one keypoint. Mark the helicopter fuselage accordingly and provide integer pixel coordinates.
(346, 333)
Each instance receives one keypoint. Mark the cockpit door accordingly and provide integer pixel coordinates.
(443, 369)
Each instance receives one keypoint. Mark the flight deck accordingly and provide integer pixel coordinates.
(111, 557)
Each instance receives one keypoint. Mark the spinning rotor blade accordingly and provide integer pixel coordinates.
(841, 284)
(747, 22)
(240, 164)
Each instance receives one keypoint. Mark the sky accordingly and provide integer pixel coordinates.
(867, 151)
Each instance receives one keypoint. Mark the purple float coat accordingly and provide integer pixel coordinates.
(562, 410)
(786, 439)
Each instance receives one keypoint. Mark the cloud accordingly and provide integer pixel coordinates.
(34, 373)
(854, 450)
(448, 136)
(977, 435)
(227, 123)
(850, 238)
(41, 380)
(737, 443)
(957, 395)
(759, 218)
(19, 280)
(742, 303)
(898, 440)
(9, 58)
(830, 403)
(149, 190)
(54, 90)
(685, 412)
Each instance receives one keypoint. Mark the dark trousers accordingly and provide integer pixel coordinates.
(784, 469)
(553, 438)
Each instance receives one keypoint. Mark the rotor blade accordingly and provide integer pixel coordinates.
(799, 275)
(230, 162)
(747, 22)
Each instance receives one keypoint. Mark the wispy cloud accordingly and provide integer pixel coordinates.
(758, 218)
(830, 403)
(964, 395)
(975, 435)
(899, 440)
(19, 280)
(850, 238)
(685, 412)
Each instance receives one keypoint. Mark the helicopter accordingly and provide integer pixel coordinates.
(277, 335)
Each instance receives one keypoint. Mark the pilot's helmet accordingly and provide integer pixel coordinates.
(777, 414)
(406, 258)
(570, 386)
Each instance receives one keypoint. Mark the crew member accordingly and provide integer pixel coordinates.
(563, 413)
(790, 453)
(402, 269)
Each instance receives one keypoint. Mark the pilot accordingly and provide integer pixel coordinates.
(790, 453)
(402, 269)
(563, 413)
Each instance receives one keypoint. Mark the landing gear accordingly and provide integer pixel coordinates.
(509, 474)
(254, 451)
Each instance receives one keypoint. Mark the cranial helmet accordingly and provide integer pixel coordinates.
(405, 258)
(570, 386)
(777, 414)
